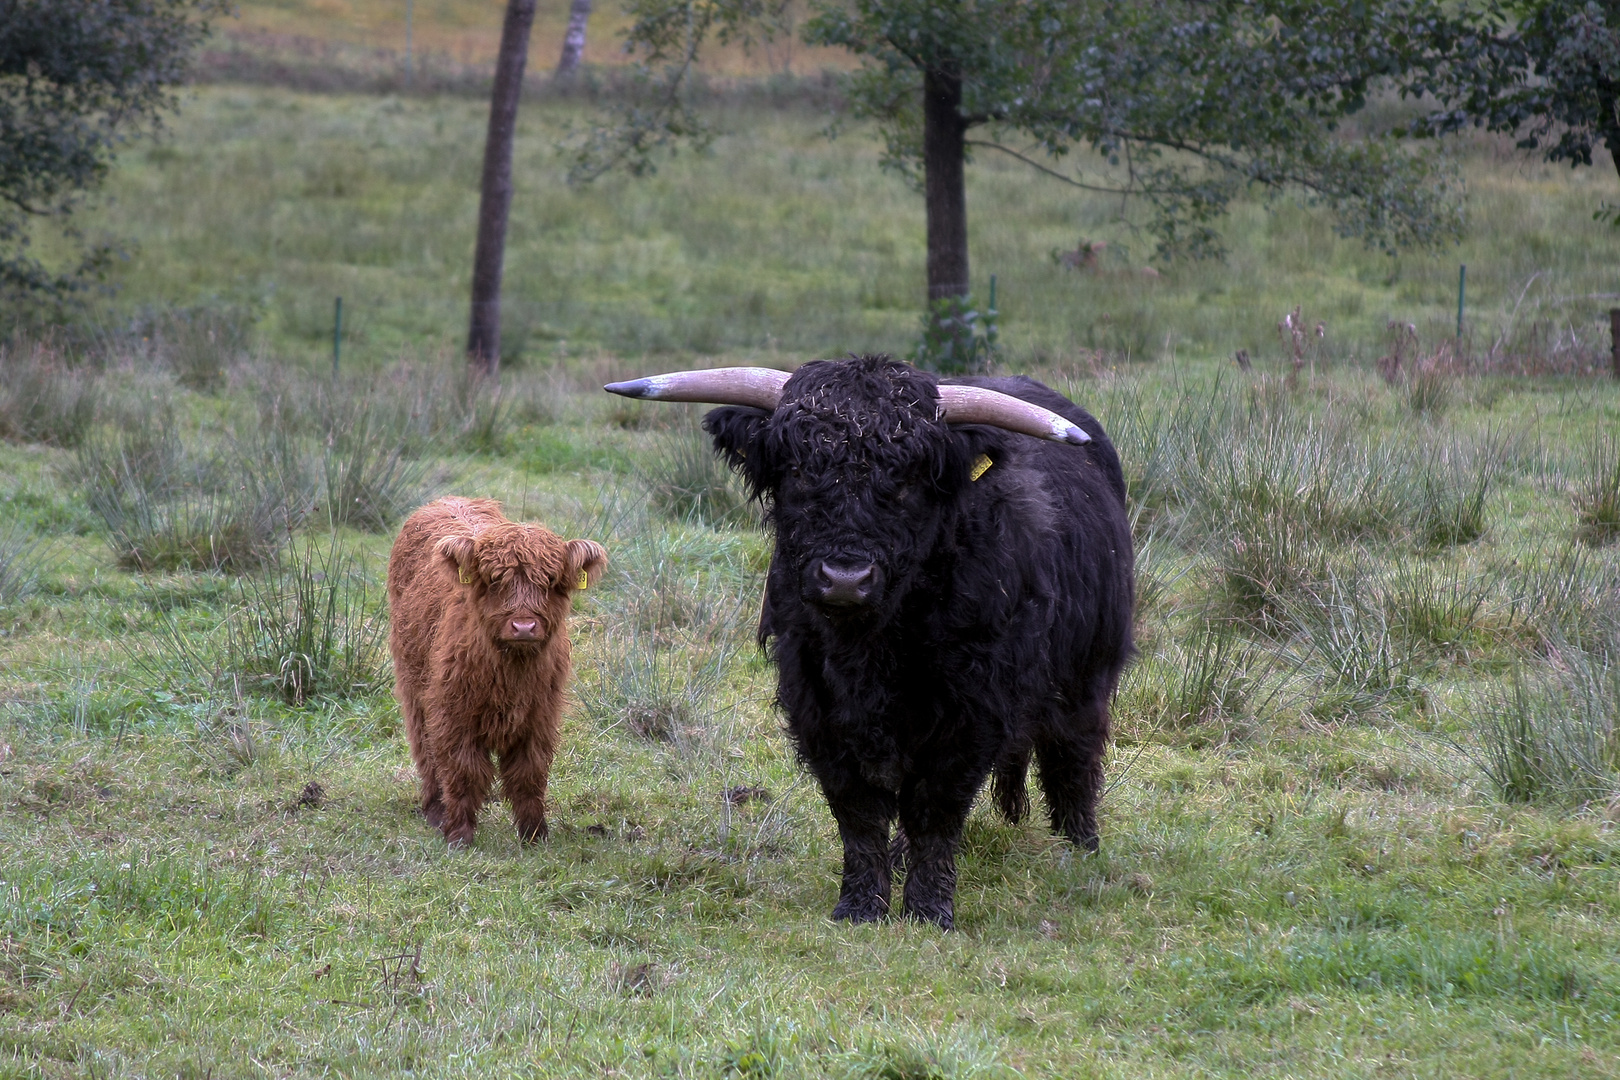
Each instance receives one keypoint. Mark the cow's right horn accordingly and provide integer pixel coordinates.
(756, 386)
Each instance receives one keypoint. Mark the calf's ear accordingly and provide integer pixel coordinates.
(460, 551)
(584, 564)
(736, 432)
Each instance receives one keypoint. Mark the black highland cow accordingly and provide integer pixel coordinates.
(948, 596)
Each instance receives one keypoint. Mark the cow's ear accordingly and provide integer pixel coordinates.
(974, 451)
(737, 433)
(460, 551)
(584, 564)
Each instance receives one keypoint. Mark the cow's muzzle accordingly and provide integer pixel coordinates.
(843, 586)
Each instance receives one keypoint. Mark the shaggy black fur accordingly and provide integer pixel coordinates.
(994, 624)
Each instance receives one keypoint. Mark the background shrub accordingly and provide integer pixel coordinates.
(43, 399)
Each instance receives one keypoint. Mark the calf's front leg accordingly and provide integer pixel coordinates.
(465, 774)
(525, 767)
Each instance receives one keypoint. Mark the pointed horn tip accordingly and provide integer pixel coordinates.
(1074, 436)
(635, 388)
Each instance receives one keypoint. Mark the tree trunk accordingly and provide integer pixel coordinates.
(495, 199)
(944, 192)
(574, 41)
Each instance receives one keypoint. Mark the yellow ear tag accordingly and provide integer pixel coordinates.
(980, 465)
(466, 578)
(584, 581)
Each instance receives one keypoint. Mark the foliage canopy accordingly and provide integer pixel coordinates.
(1190, 102)
(78, 77)
(1546, 71)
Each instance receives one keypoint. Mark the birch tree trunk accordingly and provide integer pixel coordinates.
(573, 41)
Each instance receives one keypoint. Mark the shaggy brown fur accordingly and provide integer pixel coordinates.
(480, 643)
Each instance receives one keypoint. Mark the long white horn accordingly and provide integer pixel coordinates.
(756, 386)
(976, 405)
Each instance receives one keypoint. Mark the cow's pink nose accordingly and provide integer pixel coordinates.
(523, 628)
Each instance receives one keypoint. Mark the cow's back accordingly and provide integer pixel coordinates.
(1086, 570)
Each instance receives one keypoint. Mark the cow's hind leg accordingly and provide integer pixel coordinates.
(431, 801)
(1071, 770)
(1008, 783)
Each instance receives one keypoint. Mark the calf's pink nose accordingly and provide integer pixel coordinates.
(523, 628)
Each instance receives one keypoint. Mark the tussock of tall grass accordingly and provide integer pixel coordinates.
(1278, 472)
(163, 505)
(1450, 503)
(43, 398)
(1263, 561)
(369, 482)
(673, 625)
(1597, 499)
(1549, 735)
(687, 482)
(310, 625)
(22, 557)
(1213, 677)
(1562, 594)
(658, 688)
(1440, 608)
(198, 345)
(1343, 636)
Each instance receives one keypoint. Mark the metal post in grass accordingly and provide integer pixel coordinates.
(337, 337)
(1462, 289)
(1614, 339)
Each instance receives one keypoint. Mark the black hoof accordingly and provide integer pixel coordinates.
(850, 911)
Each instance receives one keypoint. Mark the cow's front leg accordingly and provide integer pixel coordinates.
(932, 815)
(863, 824)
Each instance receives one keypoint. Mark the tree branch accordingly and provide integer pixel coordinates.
(1130, 189)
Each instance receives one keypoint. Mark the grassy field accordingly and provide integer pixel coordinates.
(779, 243)
(1362, 813)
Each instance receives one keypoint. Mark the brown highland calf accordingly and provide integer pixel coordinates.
(480, 643)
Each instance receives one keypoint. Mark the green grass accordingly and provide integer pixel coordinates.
(1352, 827)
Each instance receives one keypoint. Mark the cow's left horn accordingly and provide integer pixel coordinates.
(756, 386)
(976, 405)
